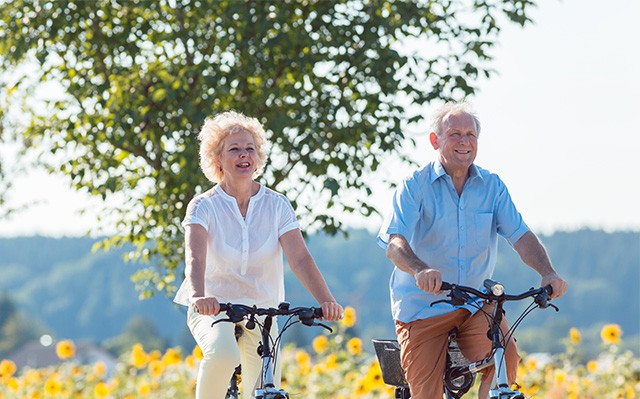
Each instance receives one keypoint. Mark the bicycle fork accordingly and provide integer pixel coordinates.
(500, 387)
(267, 388)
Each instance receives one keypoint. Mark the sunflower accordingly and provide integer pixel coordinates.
(354, 346)
(197, 352)
(574, 336)
(101, 390)
(320, 343)
(611, 334)
(171, 356)
(65, 349)
(139, 358)
(349, 319)
(7, 368)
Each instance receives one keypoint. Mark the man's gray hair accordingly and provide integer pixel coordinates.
(452, 108)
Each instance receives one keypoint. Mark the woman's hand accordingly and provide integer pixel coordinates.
(206, 305)
(331, 311)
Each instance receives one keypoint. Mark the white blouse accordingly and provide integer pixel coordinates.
(244, 257)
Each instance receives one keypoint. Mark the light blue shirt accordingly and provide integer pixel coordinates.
(457, 235)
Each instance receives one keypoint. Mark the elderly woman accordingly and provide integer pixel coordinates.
(235, 236)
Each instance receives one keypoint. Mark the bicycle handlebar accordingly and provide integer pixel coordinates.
(307, 315)
(458, 294)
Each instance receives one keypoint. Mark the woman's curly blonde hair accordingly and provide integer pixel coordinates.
(213, 133)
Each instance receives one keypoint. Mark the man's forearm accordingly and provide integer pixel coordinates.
(533, 254)
(400, 253)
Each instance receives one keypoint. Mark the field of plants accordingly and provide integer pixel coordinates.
(335, 367)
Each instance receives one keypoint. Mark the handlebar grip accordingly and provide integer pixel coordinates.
(446, 286)
(224, 307)
(317, 313)
(549, 289)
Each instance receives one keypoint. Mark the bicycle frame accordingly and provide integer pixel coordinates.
(236, 313)
(458, 379)
(500, 387)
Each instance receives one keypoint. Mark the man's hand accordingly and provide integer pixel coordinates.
(429, 280)
(556, 282)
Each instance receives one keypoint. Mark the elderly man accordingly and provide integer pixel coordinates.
(444, 226)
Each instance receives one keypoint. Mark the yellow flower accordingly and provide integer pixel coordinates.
(592, 366)
(349, 318)
(52, 386)
(32, 377)
(13, 384)
(101, 390)
(171, 356)
(374, 375)
(156, 368)
(65, 349)
(139, 358)
(531, 364)
(331, 362)
(611, 334)
(99, 369)
(320, 343)
(7, 368)
(354, 346)
(630, 392)
(144, 389)
(574, 336)
(560, 377)
(155, 355)
(197, 352)
(530, 391)
(304, 361)
(190, 361)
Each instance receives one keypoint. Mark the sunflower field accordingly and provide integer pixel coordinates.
(334, 367)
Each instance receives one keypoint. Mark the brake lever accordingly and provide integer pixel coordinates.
(309, 321)
(326, 327)
(219, 321)
(441, 301)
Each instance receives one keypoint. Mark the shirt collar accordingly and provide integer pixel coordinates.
(228, 197)
(438, 171)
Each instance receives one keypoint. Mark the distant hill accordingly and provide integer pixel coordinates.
(79, 295)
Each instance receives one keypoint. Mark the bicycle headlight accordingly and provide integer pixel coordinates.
(497, 289)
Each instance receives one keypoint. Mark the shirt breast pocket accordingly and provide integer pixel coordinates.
(484, 226)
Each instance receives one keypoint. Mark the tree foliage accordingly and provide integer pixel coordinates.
(335, 84)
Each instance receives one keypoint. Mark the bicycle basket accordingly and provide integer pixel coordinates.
(388, 353)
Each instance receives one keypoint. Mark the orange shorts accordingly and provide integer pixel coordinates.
(423, 345)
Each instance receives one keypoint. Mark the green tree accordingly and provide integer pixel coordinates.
(137, 330)
(15, 331)
(334, 82)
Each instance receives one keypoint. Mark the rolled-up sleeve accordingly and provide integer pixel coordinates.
(404, 214)
(509, 222)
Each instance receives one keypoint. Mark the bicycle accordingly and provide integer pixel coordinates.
(459, 374)
(268, 347)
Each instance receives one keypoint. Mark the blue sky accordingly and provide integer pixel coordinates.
(558, 127)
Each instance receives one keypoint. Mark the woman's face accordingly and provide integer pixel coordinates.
(239, 159)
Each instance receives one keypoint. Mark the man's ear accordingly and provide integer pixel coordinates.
(433, 138)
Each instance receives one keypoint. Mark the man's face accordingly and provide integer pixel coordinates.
(457, 142)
